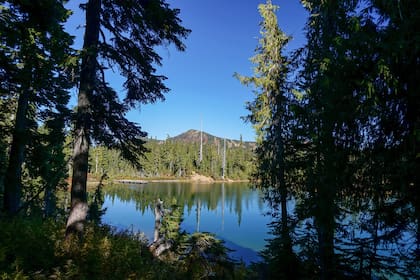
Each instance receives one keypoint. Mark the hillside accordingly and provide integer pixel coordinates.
(193, 136)
(180, 157)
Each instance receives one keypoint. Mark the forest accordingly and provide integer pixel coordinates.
(179, 158)
(337, 125)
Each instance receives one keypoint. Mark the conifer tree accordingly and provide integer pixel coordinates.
(35, 56)
(270, 116)
(329, 104)
(348, 105)
(120, 35)
(397, 93)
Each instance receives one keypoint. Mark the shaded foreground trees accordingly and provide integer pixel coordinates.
(354, 122)
(35, 62)
(38, 67)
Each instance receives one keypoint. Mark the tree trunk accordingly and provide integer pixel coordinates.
(13, 184)
(158, 218)
(160, 243)
(283, 195)
(79, 205)
(49, 202)
(326, 249)
(287, 259)
(326, 226)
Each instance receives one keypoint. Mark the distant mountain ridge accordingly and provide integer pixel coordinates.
(193, 136)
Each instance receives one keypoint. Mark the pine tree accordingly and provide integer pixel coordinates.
(35, 56)
(270, 118)
(122, 35)
(327, 117)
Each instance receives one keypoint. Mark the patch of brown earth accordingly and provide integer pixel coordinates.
(201, 178)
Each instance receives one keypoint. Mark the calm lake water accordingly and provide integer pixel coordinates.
(233, 212)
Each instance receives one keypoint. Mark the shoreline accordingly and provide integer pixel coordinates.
(193, 178)
(181, 180)
(200, 179)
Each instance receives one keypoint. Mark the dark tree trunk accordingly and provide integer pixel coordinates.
(284, 221)
(79, 207)
(413, 149)
(287, 261)
(49, 202)
(325, 220)
(12, 183)
(283, 198)
(326, 244)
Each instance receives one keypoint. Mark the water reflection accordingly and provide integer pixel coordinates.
(234, 212)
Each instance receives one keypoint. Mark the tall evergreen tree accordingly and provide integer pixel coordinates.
(330, 131)
(122, 35)
(270, 116)
(398, 95)
(357, 122)
(34, 54)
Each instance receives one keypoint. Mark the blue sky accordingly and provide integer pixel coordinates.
(223, 38)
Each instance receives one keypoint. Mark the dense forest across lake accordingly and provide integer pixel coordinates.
(179, 157)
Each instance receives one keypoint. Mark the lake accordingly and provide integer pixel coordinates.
(234, 212)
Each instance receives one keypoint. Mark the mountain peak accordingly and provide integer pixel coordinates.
(194, 136)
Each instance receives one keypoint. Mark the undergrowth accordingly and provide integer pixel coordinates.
(35, 248)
